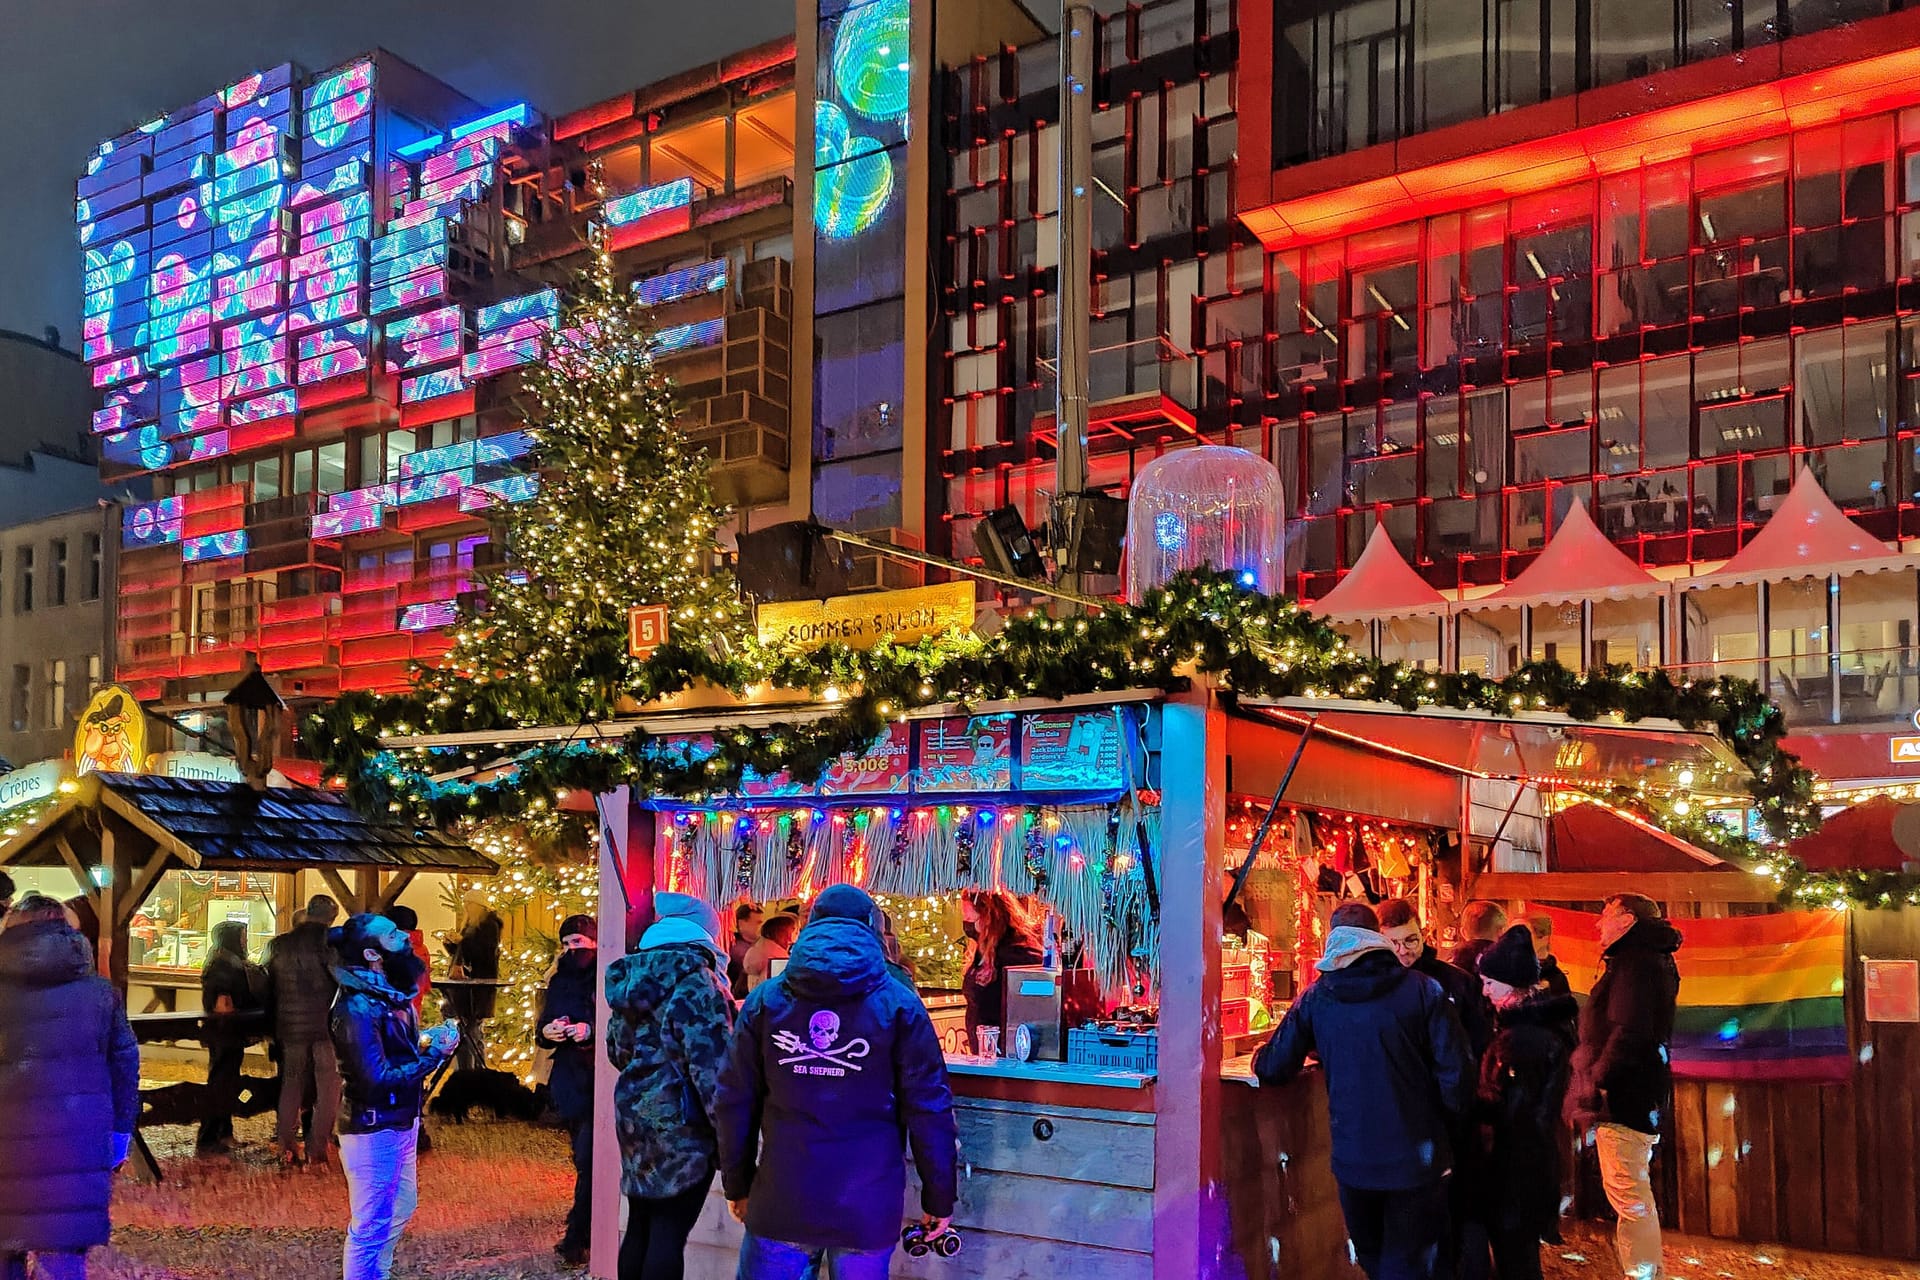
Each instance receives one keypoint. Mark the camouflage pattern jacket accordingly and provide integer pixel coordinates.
(667, 1037)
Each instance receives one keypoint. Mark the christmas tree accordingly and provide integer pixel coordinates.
(624, 516)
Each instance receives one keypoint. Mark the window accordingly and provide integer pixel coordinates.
(95, 676)
(93, 546)
(20, 704)
(56, 684)
(330, 464)
(57, 593)
(263, 474)
(23, 580)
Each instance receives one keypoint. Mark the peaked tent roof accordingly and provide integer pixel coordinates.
(1380, 584)
(1860, 838)
(1808, 536)
(1578, 563)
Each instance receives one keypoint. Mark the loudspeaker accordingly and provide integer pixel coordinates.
(1004, 543)
(1095, 527)
(793, 561)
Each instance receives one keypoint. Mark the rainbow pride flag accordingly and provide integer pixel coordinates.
(1761, 997)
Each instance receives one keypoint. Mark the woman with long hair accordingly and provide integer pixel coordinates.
(1001, 934)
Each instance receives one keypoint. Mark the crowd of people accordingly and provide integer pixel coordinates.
(1458, 1087)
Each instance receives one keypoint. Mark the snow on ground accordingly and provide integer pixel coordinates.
(493, 1194)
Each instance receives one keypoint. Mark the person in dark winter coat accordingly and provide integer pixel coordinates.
(1481, 924)
(376, 1036)
(69, 1093)
(1398, 1075)
(833, 1073)
(1621, 1077)
(1523, 1083)
(565, 1026)
(300, 984)
(1465, 1249)
(474, 952)
(669, 1013)
(232, 1000)
(746, 932)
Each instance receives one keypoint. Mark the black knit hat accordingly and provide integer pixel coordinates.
(580, 926)
(1511, 960)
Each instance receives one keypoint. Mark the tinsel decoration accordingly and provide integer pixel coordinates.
(963, 838)
(796, 844)
(1035, 855)
(897, 853)
(743, 856)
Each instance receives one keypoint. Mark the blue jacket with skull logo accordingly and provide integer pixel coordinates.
(833, 1074)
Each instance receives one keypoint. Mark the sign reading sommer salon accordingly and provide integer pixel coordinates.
(863, 621)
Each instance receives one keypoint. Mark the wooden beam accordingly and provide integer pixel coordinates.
(619, 818)
(1597, 886)
(142, 886)
(348, 902)
(366, 884)
(396, 886)
(79, 869)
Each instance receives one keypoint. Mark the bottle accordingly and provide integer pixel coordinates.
(1050, 943)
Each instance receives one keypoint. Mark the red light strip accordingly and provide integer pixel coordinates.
(1884, 83)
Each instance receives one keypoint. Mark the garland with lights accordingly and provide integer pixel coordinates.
(1202, 622)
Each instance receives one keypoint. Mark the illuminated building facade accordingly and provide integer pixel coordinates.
(306, 299)
(1456, 281)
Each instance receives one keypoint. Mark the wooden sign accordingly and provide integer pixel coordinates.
(1892, 990)
(646, 629)
(863, 621)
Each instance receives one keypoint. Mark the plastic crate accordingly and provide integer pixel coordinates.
(1236, 981)
(1136, 1051)
(1236, 1017)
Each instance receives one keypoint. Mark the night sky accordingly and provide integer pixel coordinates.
(74, 72)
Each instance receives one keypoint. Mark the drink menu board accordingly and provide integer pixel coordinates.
(966, 754)
(1071, 751)
(885, 768)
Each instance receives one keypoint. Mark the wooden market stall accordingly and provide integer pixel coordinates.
(1130, 816)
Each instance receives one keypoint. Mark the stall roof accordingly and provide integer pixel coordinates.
(1858, 839)
(1381, 584)
(229, 826)
(1808, 536)
(1578, 563)
(1590, 837)
(1535, 747)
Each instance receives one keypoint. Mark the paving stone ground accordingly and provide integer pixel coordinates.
(492, 1196)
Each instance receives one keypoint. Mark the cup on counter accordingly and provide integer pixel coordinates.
(987, 1042)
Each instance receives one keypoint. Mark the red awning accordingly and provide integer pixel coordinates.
(1594, 837)
(1860, 838)
(1381, 584)
(1844, 759)
(1808, 536)
(1577, 564)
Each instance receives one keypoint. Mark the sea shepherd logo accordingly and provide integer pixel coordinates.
(817, 1054)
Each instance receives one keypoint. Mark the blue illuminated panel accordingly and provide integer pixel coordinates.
(688, 282)
(622, 210)
(214, 546)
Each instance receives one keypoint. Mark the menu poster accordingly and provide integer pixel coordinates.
(757, 787)
(885, 768)
(966, 754)
(1071, 751)
(1892, 990)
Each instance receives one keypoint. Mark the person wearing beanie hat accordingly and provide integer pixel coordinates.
(1523, 1083)
(834, 1055)
(1398, 1077)
(565, 1027)
(669, 1014)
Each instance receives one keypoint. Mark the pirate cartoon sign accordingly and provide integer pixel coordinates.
(112, 737)
(821, 1053)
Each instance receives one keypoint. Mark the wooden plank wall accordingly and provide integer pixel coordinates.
(1070, 1199)
(1283, 1209)
(1814, 1166)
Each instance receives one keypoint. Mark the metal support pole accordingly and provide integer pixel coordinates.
(1833, 648)
(1266, 823)
(1075, 302)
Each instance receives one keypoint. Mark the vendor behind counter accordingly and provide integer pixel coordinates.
(1001, 933)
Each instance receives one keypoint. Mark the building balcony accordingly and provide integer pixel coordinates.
(562, 237)
(1138, 393)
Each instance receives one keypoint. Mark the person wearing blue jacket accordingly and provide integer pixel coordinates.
(1399, 1077)
(833, 1072)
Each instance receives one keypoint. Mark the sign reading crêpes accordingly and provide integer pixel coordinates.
(863, 621)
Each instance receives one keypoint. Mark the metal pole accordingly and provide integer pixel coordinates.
(1076, 300)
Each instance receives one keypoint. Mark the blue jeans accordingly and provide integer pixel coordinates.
(49, 1266)
(772, 1260)
(382, 1191)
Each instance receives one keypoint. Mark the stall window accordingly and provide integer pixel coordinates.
(173, 928)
